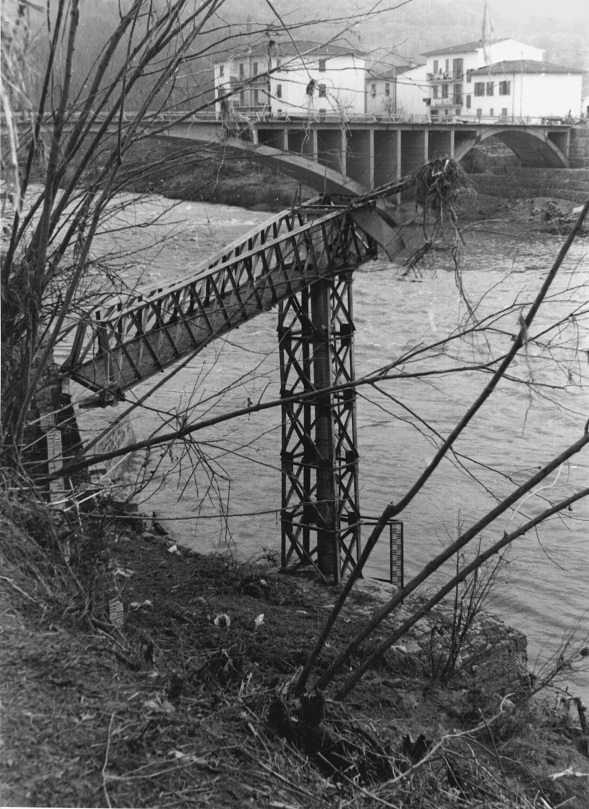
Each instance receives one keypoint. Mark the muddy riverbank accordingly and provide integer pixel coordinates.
(171, 683)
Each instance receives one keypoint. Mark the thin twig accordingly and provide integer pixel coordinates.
(393, 510)
(104, 766)
(18, 589)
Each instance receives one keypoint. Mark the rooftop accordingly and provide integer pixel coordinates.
(391, 73)
(288, 47)
(523, 66)
(465, 47)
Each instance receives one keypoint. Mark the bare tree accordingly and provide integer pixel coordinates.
(80, 133)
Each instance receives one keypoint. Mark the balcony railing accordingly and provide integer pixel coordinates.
(252, 81)
(440, 77)
(451, 101)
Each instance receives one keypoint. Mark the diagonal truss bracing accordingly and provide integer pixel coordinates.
(120, 345)
(303, 260)
(116, 348)
(320, 509)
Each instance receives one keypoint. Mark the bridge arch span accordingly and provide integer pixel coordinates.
(307, 171)
(534, 148)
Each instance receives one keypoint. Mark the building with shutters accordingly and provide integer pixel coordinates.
(292, 79)
(449, 72)
(398, 94)
(520, 90)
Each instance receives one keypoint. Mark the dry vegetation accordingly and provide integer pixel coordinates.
(186, 704)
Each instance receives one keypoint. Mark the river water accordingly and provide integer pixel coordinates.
(234, 469)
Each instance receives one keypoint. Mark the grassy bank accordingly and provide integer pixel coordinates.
(141, 674)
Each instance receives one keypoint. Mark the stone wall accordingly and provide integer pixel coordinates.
(579, 154)
(527, 183)
(492, 659)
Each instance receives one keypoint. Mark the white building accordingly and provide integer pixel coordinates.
(398, 94)
(521, 89)
(296, 79)
(449, 71)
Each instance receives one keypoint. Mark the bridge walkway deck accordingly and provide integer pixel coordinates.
(124, 343)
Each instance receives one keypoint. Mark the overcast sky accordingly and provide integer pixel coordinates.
(575, 12)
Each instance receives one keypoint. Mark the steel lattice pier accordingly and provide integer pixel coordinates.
(320, 510)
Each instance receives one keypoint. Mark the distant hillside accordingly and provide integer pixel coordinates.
(410, 29)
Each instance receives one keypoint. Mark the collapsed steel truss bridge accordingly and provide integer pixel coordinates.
(302, 261)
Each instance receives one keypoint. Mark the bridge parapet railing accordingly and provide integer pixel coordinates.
(506, 120)
(259, 118)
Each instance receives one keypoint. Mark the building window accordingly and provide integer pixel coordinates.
(434, 113)
(490, 88)
(255, 68)
(447, 66)
(479, 88)
(435, 65)
(469, 76)
(468, 101)
(387, 89)
(479, 112)
(322, 65)
(435, 91)
(242, 99)
(457, 94)
(504, 88)
(221, 70)
(241, 70)
(278, 91)
(492, 112)
(444, 91)
(504, 112)
(323, 90)
(458, 68)
(256, 97)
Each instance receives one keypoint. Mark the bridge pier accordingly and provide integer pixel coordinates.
(320, 522)
(387, 157)
(440, 144)
(301, 141)
(414, 150)
(331, 149)
(52, 438)
(360, 157)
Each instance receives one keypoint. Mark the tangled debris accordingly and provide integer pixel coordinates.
(439, 185)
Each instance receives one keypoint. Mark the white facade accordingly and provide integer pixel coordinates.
(519, 90)
(398, 95)
(308, 79)
(449, 69)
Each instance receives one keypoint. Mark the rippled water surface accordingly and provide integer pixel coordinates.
(544, 583)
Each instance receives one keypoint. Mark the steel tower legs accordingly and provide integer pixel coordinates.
(320, 509)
